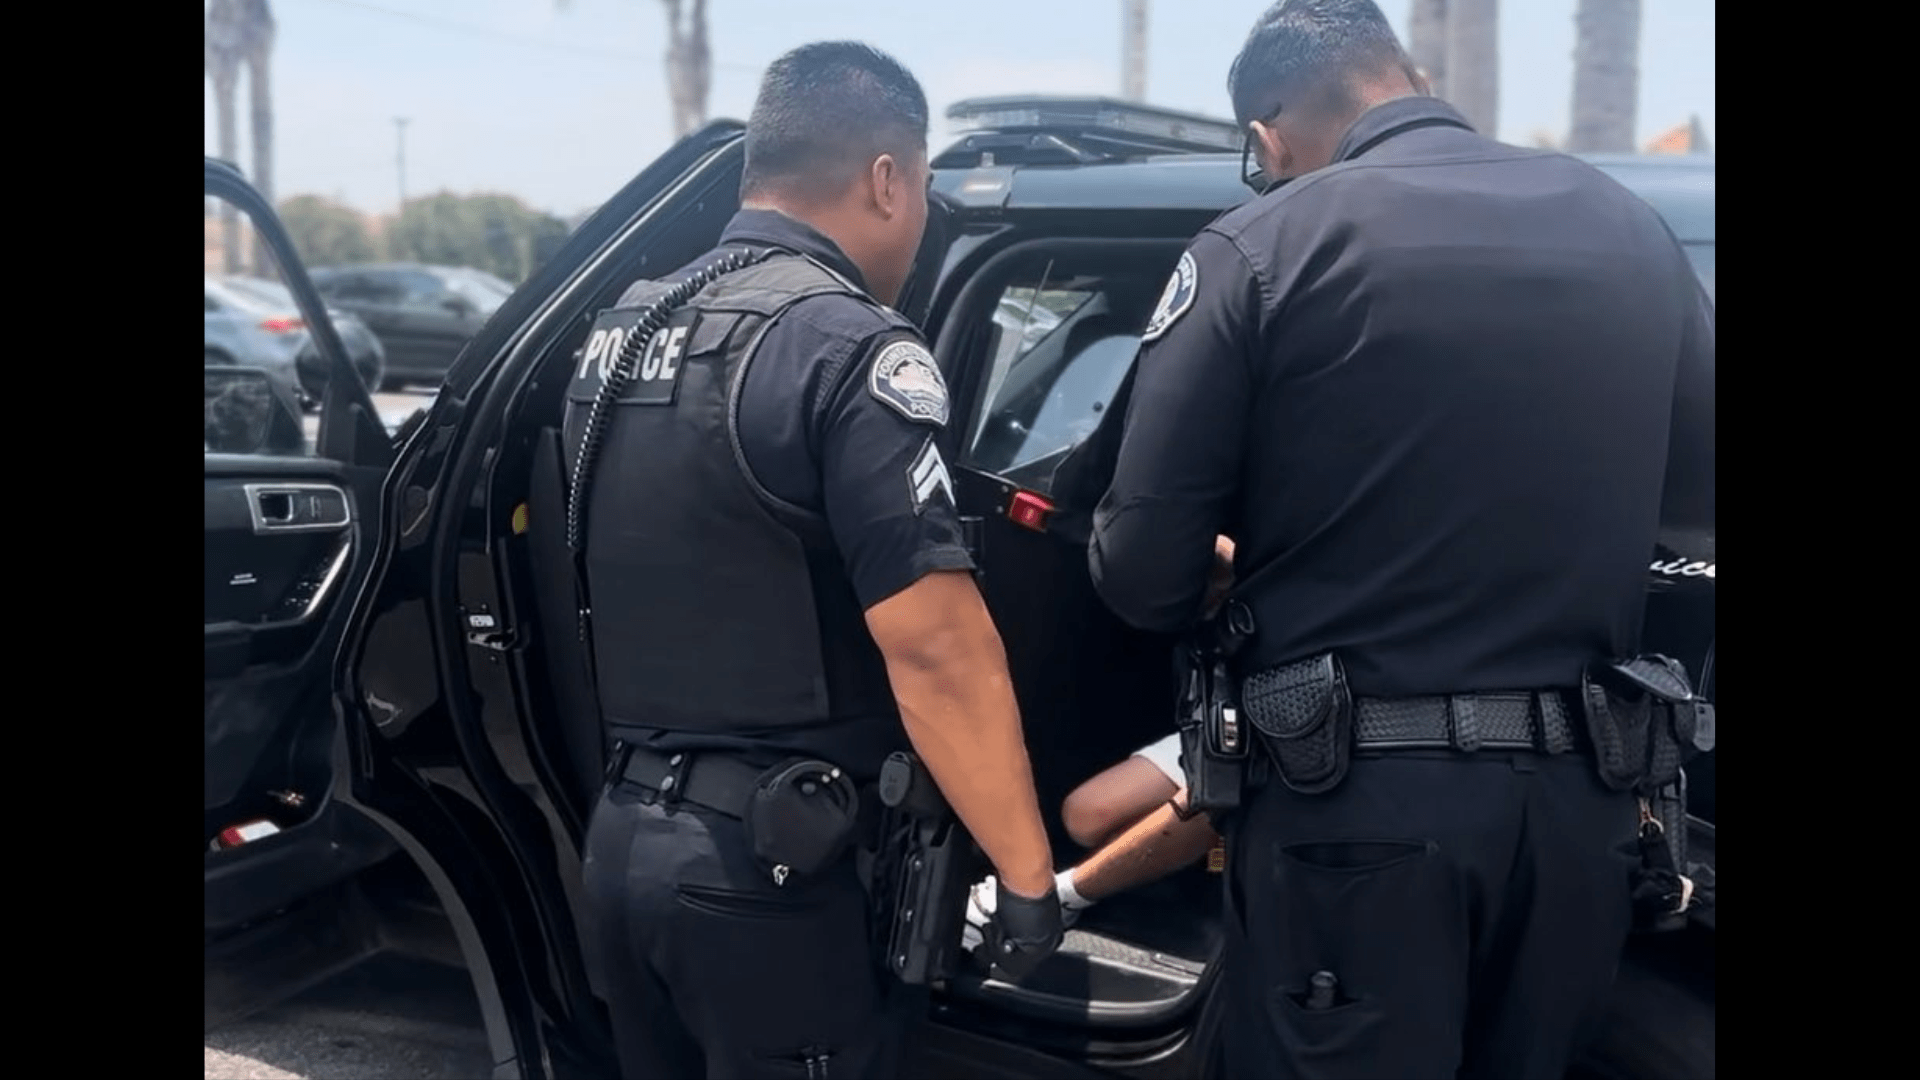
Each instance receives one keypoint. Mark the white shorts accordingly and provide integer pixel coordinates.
(1165, 756)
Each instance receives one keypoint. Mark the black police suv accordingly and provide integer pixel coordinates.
(456, 722)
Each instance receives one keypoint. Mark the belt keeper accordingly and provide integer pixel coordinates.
(1555, 738)
(1465, 723)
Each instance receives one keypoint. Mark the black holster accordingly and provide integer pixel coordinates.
(1213, 735)
(923, 865)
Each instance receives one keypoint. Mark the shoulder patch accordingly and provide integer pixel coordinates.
(927, 476)
(906, 379)
(1175, 301)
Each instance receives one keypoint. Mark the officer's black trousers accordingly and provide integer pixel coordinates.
(1472, 910)
(710, 970)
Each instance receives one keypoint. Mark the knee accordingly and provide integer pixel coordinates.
(1089, 816)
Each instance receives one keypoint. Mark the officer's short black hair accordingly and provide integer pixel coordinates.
(1305, 53)
(825, 111)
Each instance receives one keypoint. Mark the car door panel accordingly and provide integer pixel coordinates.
(278, 536)
(429, 334)
(283, 543)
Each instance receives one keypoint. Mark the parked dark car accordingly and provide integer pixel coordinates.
(468, 736)
(423, 314)
(237, 302)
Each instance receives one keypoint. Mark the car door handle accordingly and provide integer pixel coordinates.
(279, 508)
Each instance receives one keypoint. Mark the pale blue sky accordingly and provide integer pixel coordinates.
(563, 108)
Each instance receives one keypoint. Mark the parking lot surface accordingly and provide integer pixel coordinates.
(391, 1018)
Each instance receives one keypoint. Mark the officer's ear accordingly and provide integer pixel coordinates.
(1277, 158)
(888, 182)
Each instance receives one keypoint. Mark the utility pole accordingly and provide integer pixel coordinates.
(400, 159)
(1133, 50)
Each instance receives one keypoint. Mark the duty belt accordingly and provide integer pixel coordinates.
(718, 782)
(1537, 721)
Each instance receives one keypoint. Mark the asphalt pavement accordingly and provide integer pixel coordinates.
(391, 1018)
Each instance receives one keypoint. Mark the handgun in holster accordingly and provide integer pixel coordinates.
(927, 864)
(1213, 734)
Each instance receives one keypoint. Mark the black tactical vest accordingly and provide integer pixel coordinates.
(716, 606)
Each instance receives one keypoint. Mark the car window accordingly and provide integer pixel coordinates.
(487, 282)
(1022, 319)
(360, 288)
(1059, 352)
(265, 378)
(420, 291)
(484, 298)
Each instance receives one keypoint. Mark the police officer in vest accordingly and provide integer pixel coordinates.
(779, 597)
(1442, 393)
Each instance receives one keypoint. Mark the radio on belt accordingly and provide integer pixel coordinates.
(1029, 510)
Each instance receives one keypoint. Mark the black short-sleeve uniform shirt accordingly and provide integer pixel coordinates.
(1442, 394)
(820, 431)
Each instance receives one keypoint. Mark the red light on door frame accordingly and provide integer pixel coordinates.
(1029, 510)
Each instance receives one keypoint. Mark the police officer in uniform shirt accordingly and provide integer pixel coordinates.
(779, 598)
(1441, 392)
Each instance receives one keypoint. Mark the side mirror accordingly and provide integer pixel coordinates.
(459, 305)
(250, 413)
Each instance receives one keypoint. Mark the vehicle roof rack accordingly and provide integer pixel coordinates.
(1048, 130)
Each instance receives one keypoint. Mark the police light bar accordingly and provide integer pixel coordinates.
(1129, 124)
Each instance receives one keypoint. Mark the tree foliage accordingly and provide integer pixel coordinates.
(496, 233)
(326, 233)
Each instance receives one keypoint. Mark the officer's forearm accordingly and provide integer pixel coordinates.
(949, 675)
(960, 713)
(1155, 846)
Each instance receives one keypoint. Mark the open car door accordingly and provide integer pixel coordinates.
(472, 732)
(290, 507)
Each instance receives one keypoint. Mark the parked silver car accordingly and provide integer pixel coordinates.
(254, 322)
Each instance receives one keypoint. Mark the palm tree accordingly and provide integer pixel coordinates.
(1133, 51)
(225, 50)
(257, 29)
(1473, 62)
(1427, 42)
(689, 64)
(1606, 76)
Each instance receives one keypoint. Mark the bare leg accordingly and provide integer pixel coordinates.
(1124, 813)
(1101, 808)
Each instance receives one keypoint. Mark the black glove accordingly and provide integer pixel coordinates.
(1021, 934)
